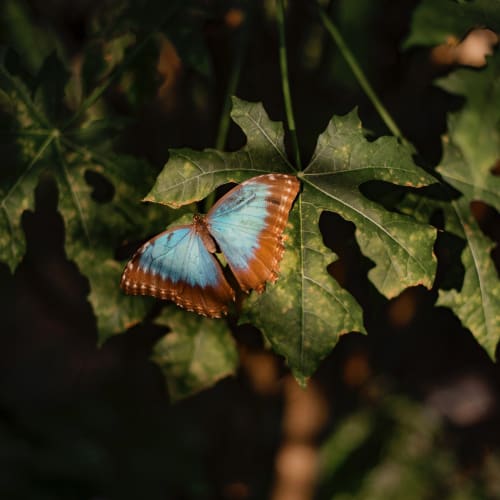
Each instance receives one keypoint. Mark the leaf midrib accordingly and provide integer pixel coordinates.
(264, 133)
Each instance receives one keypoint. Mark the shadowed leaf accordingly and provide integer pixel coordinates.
(471, 149)
(35, 142)
(195, 354)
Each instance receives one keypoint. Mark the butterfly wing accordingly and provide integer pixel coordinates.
(248, 224)
(176, 265)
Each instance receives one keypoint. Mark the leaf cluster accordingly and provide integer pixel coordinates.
(57, 120)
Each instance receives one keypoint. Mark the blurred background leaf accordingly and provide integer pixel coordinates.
(396, 450)
(440, 21)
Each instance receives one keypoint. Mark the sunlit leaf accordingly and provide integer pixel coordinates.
(344, 160)
(191, 175)
(304, 313)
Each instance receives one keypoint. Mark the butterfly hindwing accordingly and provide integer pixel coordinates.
(248, 224)
(176, 265)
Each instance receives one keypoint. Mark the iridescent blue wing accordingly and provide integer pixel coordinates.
(176, 265)
(248, 224)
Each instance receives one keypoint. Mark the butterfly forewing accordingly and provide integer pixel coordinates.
(248, 224)
(176, 265)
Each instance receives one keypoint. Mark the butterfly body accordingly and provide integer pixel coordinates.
(246, 225)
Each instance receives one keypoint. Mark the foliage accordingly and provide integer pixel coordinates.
(195, 354)
(132, 117)
(404, 456)
(436, 22)
(471, 149)
(57, 119)
(470, 152)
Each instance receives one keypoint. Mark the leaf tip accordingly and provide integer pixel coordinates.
(301, 380)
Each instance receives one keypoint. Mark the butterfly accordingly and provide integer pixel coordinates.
(246, 225)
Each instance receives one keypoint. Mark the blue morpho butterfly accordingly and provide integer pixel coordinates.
(246, 225)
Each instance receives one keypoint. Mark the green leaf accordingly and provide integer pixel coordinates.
(34, 141)
(304, 313)
(344, 160)
(94, 229)
(472, 146)
(435, 21)
(477, 303)
(471, 291)
(191, 175)
(22, 154)
(195, 354)
(470, 151)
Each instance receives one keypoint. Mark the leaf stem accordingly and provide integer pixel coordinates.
(234, 78)
(232, 85)
(360, 76)
(280, 16)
